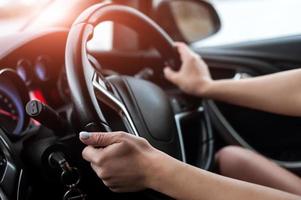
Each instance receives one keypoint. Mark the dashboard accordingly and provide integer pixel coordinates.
(38, 59)
(32, 67)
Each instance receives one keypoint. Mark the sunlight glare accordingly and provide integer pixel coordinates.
(103, 37)
(3, 3)
(56, 12)
(29, 2)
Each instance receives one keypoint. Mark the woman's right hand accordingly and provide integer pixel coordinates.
(193, 77)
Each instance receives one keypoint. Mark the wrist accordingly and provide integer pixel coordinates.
(153, 167)
(161, 168)
(206, 88)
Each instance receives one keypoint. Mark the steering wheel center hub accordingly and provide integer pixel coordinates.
(149, 106)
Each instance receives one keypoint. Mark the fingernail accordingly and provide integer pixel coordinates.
(84, 135)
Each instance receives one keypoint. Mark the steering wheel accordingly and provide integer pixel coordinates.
(10, 171)
(143, 108)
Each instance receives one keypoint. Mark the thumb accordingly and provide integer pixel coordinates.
(170, 74)
(99, 139)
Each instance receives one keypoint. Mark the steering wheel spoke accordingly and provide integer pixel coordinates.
(106, 96)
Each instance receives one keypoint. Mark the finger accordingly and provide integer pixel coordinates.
(186, 53)
(180, 44)
(100, 139)
(111, 186)
(97, 170)
(118, 189)
(123, 189)
(91, 154)
(170, 74)
(183, 50)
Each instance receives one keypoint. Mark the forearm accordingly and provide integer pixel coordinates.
(182, 181)
(278, 93)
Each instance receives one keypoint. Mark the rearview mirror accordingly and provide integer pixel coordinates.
(187, 20)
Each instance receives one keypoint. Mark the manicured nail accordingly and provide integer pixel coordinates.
(84, 135)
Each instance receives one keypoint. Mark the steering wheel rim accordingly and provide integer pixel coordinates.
(88, 87)
(12, 174)
(135, 20)
(83, 78)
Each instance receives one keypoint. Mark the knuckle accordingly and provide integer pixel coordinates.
(194, 58)
(99, 139)
(174, 77)
(103, 174)
(84, 153)
(127, 144)
(99, 173)
(98, 160)
(120, 135)
(144, 142)
(117, 190)
(94, 160)
(107, 183)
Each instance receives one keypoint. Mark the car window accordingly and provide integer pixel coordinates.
(249, 20)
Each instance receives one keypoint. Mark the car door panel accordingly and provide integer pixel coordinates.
(273, 135)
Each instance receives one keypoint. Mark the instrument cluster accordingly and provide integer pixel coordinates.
(41, 78)
(46, 79)
(13, 98)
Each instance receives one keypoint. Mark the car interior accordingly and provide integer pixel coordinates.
(53, 85)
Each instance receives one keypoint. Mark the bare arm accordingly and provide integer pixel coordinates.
(278, 93)
(126, 163)
(185, 182)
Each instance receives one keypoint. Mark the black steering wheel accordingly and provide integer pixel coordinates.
(142, 106)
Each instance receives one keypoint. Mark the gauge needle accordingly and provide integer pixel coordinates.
(4, 112)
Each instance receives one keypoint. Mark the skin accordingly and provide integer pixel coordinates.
(267, 93)
(126, 163)
(256, 169)
(278, 93)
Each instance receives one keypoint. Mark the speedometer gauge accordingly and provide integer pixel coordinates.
(9, 115)
(13, 98)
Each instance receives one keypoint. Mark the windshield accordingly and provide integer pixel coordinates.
(16, 14)
(242, 20)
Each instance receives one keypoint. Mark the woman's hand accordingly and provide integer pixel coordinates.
(124, 162)
(127, 163)
(193, 77)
